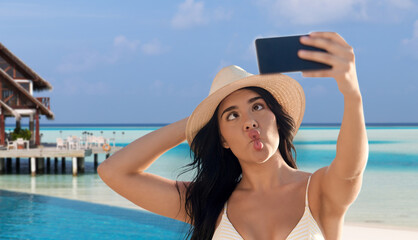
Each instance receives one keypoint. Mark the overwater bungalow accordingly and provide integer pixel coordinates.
(17, 83)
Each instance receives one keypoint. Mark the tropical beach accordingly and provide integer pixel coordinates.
(81, 80)
(385, 208)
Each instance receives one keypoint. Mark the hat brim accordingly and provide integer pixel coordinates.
(287, 91)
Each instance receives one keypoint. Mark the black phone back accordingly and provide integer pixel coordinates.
(279, 54)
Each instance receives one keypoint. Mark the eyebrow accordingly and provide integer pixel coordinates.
(251, 100)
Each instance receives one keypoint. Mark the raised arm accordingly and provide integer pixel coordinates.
(340, 183)
(124, 172)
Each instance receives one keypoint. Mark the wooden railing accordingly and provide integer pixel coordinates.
(44, 101)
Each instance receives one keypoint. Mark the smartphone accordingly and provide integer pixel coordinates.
(279, 54)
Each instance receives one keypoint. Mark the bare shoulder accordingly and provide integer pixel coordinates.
(299, 180)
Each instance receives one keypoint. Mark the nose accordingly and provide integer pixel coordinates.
(250, 123)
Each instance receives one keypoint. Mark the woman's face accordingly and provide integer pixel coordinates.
(248, 127)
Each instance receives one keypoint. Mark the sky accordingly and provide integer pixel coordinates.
(154, 61)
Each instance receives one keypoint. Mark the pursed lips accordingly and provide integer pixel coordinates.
(254, 135)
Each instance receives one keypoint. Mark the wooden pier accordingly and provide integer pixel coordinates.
(37, 157)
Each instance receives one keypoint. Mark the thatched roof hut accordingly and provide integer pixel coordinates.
(17, 83)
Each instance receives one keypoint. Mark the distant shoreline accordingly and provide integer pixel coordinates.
(164, 124)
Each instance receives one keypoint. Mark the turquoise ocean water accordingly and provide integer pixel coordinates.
(389, 195)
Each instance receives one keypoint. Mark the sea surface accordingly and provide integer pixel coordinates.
(388, 198)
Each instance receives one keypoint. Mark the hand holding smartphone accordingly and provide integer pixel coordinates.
(279, 54)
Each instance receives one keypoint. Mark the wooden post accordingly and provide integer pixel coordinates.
(48, 164)
(17, 165)
(74, 166)
(55, 165)
(2, 127)
(63, 164)
(31, 129)
(1, 165)
(96, 162)
(37, 138)
(40, 163)
(32, 166)
(80, 164)
(9, 165)
(18, 124)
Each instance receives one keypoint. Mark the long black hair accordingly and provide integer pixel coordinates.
(218, 170)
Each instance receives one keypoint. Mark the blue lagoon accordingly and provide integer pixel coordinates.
(388, 197)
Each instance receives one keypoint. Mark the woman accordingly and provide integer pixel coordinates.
(247, 184)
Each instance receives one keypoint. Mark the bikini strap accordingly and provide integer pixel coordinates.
(225, 208)
(306, 194)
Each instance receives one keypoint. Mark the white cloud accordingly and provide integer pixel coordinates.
(78, 86)
(410, 45)
(87, 59)
(122, 48)
(122, 42)
(191, 14)
(221, 14)
(157, 87)
(153, 48)
(95, 88)
(79, 61)
(403, 4)
(250, 52)
(415, 34)
(309, 12)
(34, 10)
(313, 12)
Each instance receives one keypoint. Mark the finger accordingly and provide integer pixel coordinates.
(318, 73)
(330, 35)
(323, 43)
(318, 56)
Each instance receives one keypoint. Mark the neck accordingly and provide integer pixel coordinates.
(265, 176)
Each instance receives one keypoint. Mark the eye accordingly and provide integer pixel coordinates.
(231, 116)
(258, 106)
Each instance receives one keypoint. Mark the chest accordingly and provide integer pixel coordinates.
(266, 217)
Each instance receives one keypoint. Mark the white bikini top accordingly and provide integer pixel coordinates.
(306, 229)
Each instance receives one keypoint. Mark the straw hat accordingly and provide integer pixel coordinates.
(287, 91)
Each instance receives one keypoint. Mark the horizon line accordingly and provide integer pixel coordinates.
(164, 124)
